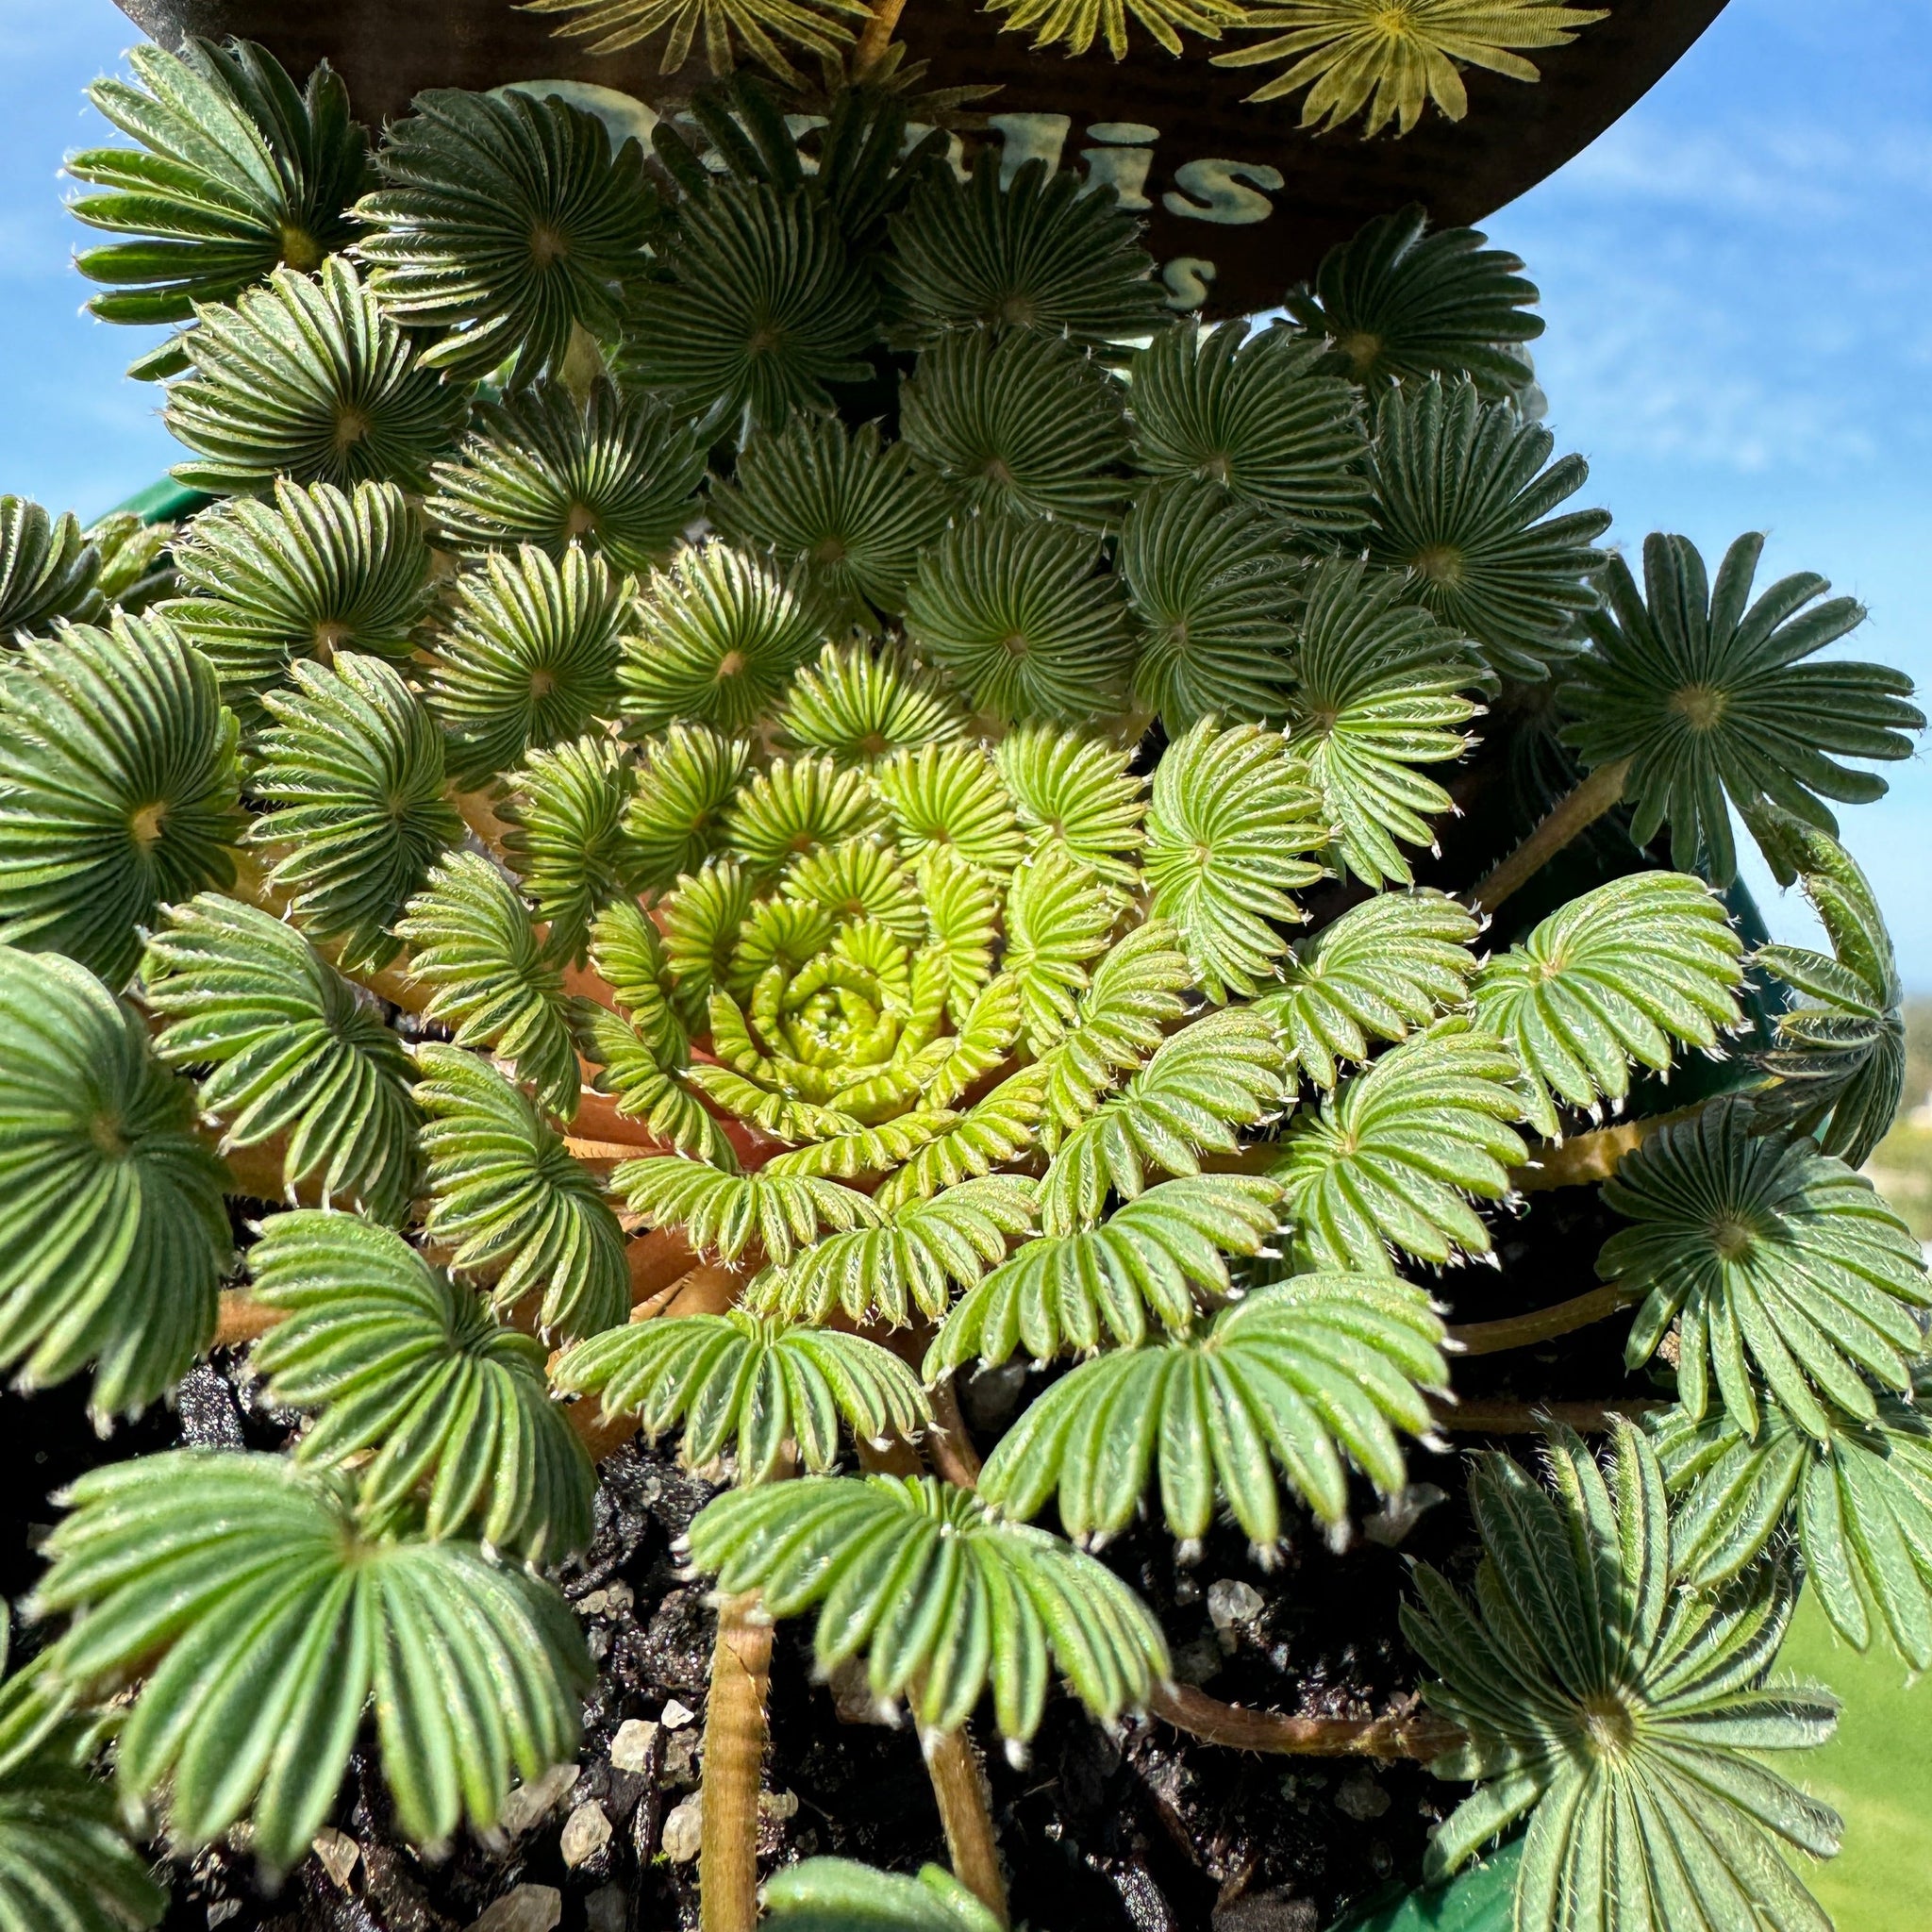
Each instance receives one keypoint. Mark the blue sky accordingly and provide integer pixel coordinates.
(1737, 280)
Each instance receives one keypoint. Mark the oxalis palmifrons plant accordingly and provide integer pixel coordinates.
(713, 827)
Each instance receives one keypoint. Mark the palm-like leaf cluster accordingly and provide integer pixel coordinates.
(783, 749)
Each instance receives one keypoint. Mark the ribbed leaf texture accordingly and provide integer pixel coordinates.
(1019, 423)
(616, 474)
(293, 1053)
(264, 1621)
(118, 790)
(1620, 976)
(236, 174)
(353, 770)
(725, 1213)
(405, 1369)
(766, 1392)
(1861, 1501)
(1396, 1155)
(1212, 590)
(856, 705)
(1708, 694)
(471, 943)
(1383, 969)
(1232, 816)
(1777, 1263)
(136, 560)
(1359, 56)
(112, 1234)
(943, 1600)
(308, 379)
(1464, 491)
(718, 636)
(1378, 689)
(506, 223)
(1838, 1055)
(839, 1895)
(317, 571)
(1625, 1717)
(1256, 415)
(1307, 1378)
(1035, 253)
(723, 26)
(1163, 1255)
(529, 657)
(755, 307)
(48, 570)
(511, 1204)
(1400, 304)
(565, 835)
(1076, 23)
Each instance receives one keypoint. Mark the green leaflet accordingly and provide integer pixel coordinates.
(1708, 696)
(136, 560)
(794, 805)
(950, 795)
(529, 658)
(1035, 254)
(911, 1262)
(812, 24)
(1255, 415)
(1076, 22)
(616, 473)
(308, 379)
(353, 769)
(565, 836)
(319, 570)
(1160, 1253)
(1463, 504)
(1398, 303)
(1391, 1160)
(1308, 1377)
(1861, 1501)
(296, 1052)
(265, 1622)
(506, 223)
(857, 705)
(943, 1600)
(510, 1202)
(632, 1067)
(838, 1895)
(725, 1213)
(48, 570)
(113, 1238)
(1619, 974)
(118, 788)
(675, 820)
(397, 1360)
(1624, 1716)
(1777, 1263)
(740, 1383)
(471, 943)
(1378, 689)
(1383, 969)
(1840, 1054)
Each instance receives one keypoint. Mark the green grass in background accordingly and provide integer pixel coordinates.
(1902, 1164)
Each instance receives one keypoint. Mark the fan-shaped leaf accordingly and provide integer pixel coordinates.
(397, 1360)
(1619, 974)
(1164, 1253)
(943, 1600)
(510, 1203)
(1384, 968)
(1309, 1376)
(1395, 1153)
(950, 797)
(48, 570)
(1380, 689)
(529, 657)
(112, 1234)
(354, 770)
(1702, 691)
(471, 943)
(1256, 415)
(796, 805)
(727, 1212)
(118, 788)
(1775, 1261)
(1075, 793)
(676, 818)
(308, 379)
(566, 820)
(1462, 503)
(504, 222)
(741, 1383)
(1398, 303)
(757, 26)
(1232, 814)
(265, 1622)
(634, 1070)
(296, 1052)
